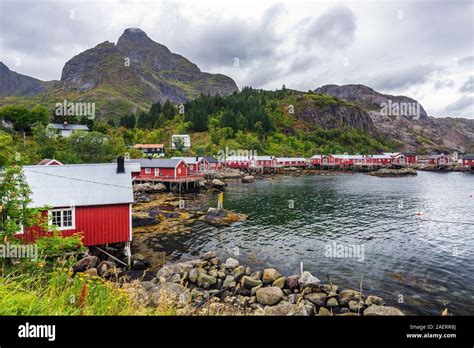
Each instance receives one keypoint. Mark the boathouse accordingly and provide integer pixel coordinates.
(213, 163)
(379, 160)
(287, 162)
(468, 161)
(92, 199)
(410, 158)
(438, 160)
(195, 165)
(150, 168)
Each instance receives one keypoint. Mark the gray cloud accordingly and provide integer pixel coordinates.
(300, 45)
(403, 78)
(333, 29)
(468, 86)
(440, 84)
(463, 107)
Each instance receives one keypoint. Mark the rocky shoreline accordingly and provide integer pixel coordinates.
(392, 173)
(209, 286)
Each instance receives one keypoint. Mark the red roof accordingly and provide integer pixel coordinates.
(148, 146)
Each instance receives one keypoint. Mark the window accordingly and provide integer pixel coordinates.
(63, 219)
(147, 170)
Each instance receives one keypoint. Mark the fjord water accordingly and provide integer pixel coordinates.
(419, 263)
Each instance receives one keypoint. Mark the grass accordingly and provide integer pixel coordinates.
(50, 289)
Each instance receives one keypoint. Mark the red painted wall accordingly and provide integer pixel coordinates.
(100, 224)
(181, 171)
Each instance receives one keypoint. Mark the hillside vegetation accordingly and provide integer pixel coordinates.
(268, 122)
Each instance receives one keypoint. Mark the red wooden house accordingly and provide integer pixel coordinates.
(291, 161)
(468, 161)
(345, 160)
(238, 162)
(398, 159)
(263, 161)
(92, 199)
(410, 158)
(438, 160)
(159, 168)
(196, 165)
(319, 160)
(378, 160)
(213, 163)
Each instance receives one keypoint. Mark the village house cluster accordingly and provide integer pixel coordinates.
(96, 199)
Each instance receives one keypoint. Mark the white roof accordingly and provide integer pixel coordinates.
(79, 185)
(189, 160)
(68, 126)
(391, 153)
(291, 159)
(381, 156)
(317, 156)
(238, 158)
(348, 156)
(262, 158)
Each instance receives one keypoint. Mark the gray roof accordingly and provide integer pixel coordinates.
(78, 185)
(156, 162)
(211, 159)
(68, 126)
(468, 157)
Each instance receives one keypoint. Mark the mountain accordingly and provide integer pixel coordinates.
(14, 84)
(120, 78)
(403, 119)
(141, 70)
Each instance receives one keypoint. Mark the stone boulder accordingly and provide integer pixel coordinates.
(374, 300)
(270, 275)
(292, 282)
(318, 298)
(248, 179)
(307, 279)
(106, 267)
(231, 263)
(249, 282)
(86, 263)
(205, 280)
(269, 296)
(222, 217)
(218, 184)
(348, 295)
(281, 309)
(375, 310)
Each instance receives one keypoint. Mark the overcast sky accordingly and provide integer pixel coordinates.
(422, 49)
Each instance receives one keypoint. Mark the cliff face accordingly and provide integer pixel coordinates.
(14, 84)
(404, 120)
(330, 113)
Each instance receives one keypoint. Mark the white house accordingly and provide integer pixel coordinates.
(65, 129)
(185, 138)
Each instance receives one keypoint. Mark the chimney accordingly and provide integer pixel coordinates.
(197, 158)
(120, 165)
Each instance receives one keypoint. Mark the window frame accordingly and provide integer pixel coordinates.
(61, 211)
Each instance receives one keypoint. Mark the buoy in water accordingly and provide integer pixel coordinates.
(419, 213)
